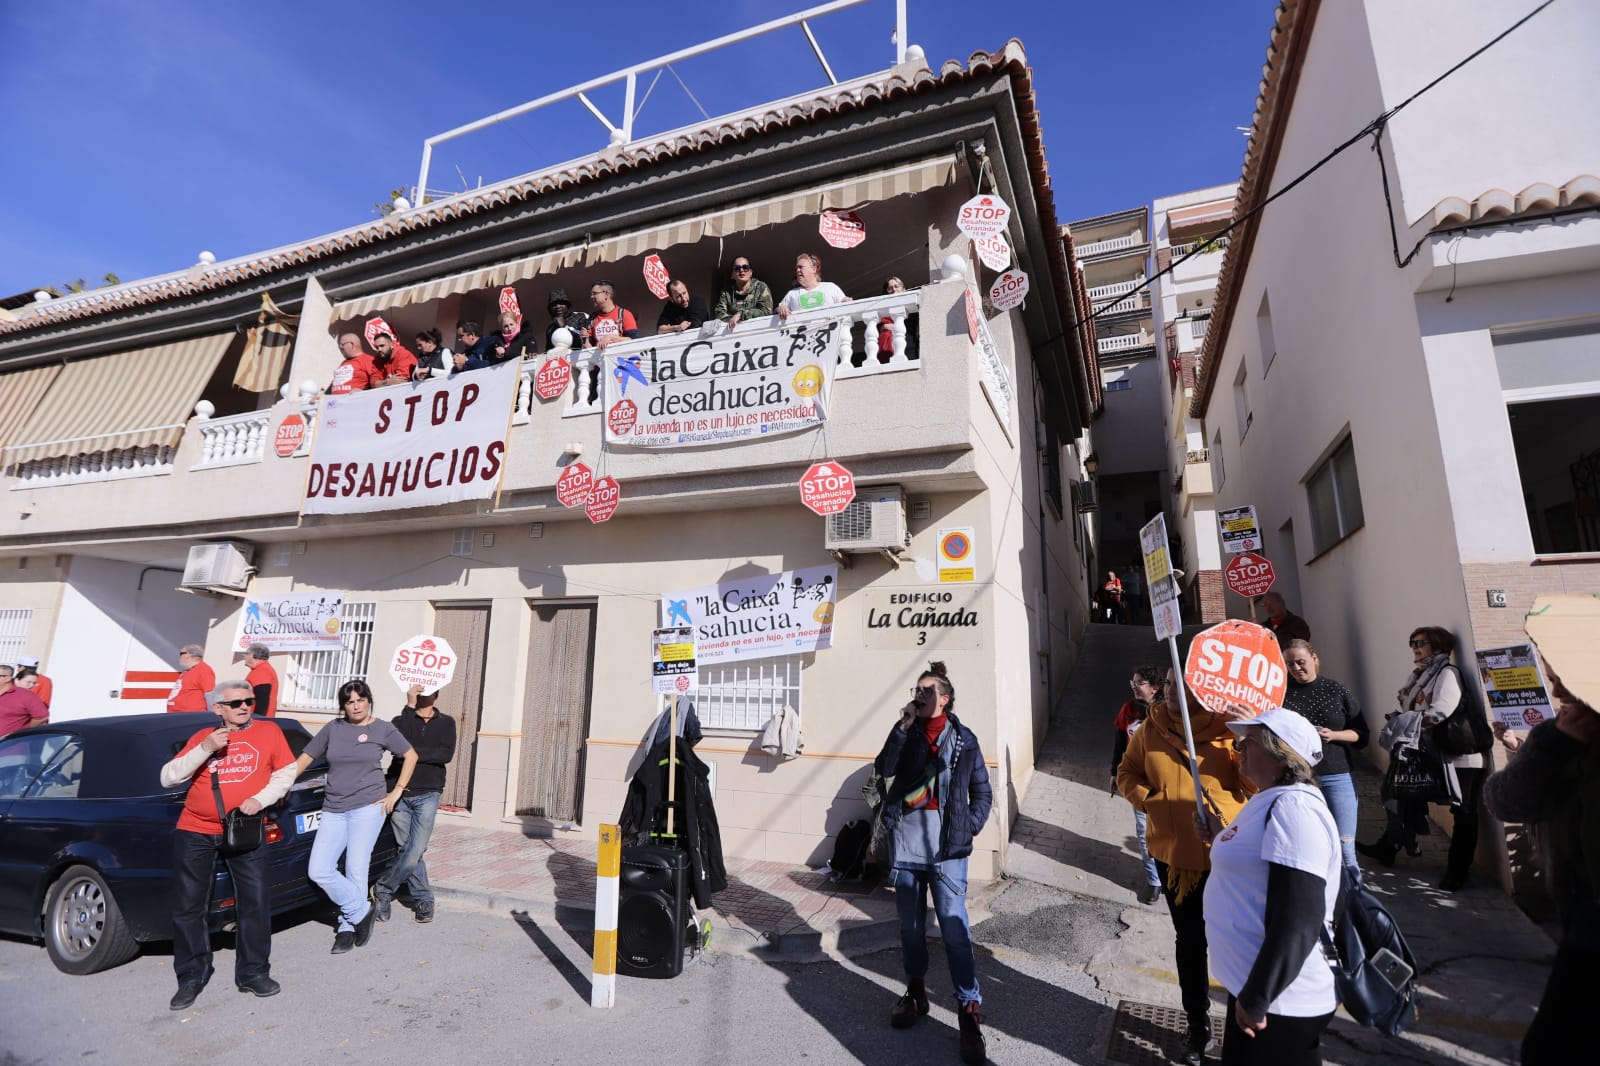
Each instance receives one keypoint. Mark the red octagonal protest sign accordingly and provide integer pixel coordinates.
(554, 376)
(1237, 662)
(621, 418)
(1249, 574)
(574, 485)
(656, 276)
(842, 229)
(827, 488)
(603, 500)
(1009, 289)
(290, 435)
(426, 661)
(983, 216)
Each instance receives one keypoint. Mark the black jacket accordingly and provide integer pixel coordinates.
(964, 810)
(435, 744)
(644, 813)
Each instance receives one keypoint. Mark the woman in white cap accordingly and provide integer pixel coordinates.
(1274, 881)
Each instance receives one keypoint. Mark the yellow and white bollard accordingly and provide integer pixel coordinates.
(608, 872)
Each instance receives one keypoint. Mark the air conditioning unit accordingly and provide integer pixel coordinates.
(222, 565)
(875, 521)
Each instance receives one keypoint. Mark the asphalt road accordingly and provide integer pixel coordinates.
(476, 986)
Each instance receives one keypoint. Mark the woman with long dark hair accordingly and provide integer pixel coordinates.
(1146, 684)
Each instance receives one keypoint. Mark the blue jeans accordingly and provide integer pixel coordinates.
(412, 821)
(1340, 792)
(1151, 877)
(948, 883)
(351, 834)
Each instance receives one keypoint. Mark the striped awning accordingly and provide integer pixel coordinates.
(128, 400)
(853, 192)
(482, 278)
(20, 393)
(1214, 212)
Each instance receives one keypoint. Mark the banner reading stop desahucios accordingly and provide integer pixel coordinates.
(421, 445)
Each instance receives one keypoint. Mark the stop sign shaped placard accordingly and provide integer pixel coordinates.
(425, 661)
(827, 488)
(574, 485)
(621, 417)
(1249, 574)
(554, 375)
(656, 276)
(603, 499)
(1237, 662)
(841, 229)
(291, 433)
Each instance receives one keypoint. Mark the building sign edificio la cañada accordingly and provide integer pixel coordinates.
(921, 617)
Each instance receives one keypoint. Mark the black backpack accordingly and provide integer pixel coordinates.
(849, 862)
(1374, 971)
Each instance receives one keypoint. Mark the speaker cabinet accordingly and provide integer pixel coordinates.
(653, 911)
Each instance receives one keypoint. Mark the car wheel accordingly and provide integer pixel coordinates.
(84, 931)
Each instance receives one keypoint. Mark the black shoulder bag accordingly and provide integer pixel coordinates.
(1466, 731)
(240, 832)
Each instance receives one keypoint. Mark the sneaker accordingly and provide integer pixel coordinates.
(973, 1050)
(262, 986)
(382, 906)
(1199, 1038)
(425, 911)
(1149, 894)
(342, 942)
(909, 1007)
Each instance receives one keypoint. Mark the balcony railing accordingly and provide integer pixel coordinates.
(1110, 244)
(94, 466)
(239, 440)
(1127, 343)
(1215, 244)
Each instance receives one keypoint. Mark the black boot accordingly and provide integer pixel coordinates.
(973, 1050)
(1197, 1040)
(1382, 850)
(911, 1006)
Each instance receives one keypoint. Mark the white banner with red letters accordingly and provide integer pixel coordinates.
(434, 442)
(688, 390)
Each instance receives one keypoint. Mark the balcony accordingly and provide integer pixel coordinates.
(1214, 244)
(1126, 242)
(1103, 296)
(1195, 479)
(1127, 343)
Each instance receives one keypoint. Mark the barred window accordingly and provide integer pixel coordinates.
(14, 623)
(311, 679)
(745, 695)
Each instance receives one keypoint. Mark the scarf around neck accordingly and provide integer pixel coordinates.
(1421, 680)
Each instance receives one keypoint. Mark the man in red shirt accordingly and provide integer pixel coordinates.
(197, 679)
(248, 760)
(357, 373)
(263, 679)
(394, 364)
(19, 708)
(609, 323)
(42, 686)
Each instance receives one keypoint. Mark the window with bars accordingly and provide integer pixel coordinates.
(745, 695)
(311, 679)
(14, 623)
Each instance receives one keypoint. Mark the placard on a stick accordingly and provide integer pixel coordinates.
(1237, 662)
(425, 661)
(672, 670)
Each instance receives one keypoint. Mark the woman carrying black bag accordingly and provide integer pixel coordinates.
(1435, 690)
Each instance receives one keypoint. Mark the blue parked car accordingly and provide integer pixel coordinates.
(86, 836)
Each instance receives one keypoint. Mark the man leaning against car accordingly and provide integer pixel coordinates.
(19, 708)
(252, 763)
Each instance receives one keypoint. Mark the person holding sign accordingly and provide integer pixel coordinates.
(1273, 885)
(938, 801)
(433, 736)
(1155, 777)
(354, 806)
(1550, 784)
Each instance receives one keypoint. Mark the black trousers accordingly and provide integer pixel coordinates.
(1566, 1012)
(194, 858)
(1286, 1041)
(1189, 925)
(1464, 837)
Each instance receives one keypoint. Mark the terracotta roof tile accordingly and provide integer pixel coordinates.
(1537, 199)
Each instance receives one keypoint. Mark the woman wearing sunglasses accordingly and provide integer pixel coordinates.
(354, 806)
(937, 802)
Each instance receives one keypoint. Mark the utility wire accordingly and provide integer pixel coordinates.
(1373, 128)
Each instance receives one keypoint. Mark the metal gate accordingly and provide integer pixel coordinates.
(555, 711)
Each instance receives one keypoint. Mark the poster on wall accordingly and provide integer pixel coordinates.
(292, 621)
(1518, 694)
(434, 442)
(787, 613)
(687, 390)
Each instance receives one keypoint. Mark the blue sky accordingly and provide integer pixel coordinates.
(139, 133)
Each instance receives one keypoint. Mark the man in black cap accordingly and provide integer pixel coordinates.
(562, 316)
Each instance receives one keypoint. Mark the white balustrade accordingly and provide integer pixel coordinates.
(1110, 244)
(233, 440)
(94, 466)
(1126, 343)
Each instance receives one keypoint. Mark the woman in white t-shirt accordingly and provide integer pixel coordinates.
(1274, 880)
(810, 291)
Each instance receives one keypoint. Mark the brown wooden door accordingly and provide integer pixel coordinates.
(555, 711)
(466, 627)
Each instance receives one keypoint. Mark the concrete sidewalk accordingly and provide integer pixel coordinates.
(1483, 961)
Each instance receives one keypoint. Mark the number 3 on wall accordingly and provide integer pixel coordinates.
(922, 637)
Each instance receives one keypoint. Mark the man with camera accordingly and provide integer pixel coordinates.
(245, 765)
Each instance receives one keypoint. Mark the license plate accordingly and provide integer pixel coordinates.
(307, 823)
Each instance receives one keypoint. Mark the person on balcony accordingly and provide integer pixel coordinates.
(886, 327)
(394, 362)
(562, 316)
(810, 291)
(681, 312)
(611, 323)
(510, 341)
(471, 342)
(747, 297)
(433, 358)
(357, 372)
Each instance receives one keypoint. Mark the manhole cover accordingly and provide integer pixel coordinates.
(1143, 1034)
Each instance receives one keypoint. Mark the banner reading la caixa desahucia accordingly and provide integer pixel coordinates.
(434, 442)
(294, 621)
(691, 390)
(787, 613)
